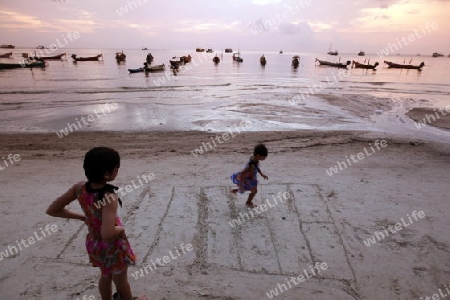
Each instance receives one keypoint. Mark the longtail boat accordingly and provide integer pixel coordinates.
(365, 66)
(54, 57)
(262, 60)
(136, 70)
(237, 57)
(175, 62)
(186, 59)
(228, 50)
(295, 61)
(157, 68)
(34, 64)
(149, 58)
(199, 50)
(336, 65)
(92, 58)
(400, 66)
(6, 55)
(120, 57)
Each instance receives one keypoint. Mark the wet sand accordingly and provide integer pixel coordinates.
(325, 219)
(434, 117)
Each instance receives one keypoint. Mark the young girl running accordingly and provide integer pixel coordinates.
(246, 180)
(106, 243)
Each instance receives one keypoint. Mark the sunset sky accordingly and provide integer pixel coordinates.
(270, 25)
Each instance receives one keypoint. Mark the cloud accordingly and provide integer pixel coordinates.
(301, 28)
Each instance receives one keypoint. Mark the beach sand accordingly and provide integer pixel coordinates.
(325, 219)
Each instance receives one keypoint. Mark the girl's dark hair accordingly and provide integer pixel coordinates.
(98, 161)
(261, 150)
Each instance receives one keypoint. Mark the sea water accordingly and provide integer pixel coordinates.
(205, 96)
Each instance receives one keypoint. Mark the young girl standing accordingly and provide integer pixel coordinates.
(246, 180)
(106, 243)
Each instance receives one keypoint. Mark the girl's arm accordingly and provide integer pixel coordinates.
(57, 208)
(109, 229)
(263, 175)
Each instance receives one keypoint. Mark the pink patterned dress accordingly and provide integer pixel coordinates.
(111, 256)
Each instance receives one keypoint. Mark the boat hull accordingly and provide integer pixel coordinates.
(365, 66)
(55, 57)
(93, 58)
(330, 64)
(392, 65)
(6, 55)
(39, 64)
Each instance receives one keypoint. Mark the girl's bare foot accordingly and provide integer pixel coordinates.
(251, 205)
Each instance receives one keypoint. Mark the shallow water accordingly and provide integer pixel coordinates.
(205, 96)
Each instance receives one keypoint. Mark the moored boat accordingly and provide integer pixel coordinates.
(6, 55)
(358, 65)
(54, 57)
(331, 64)
(335, 52)
(186, 59)
(228, 50)
(435, 54)
(91, 58)
(175, 62)
(120, 57)
(295, 61)
(136, 70)
(7, 46)
(209, 50)
(361, 53)
(262, 60)
(237, 57)
(199, 50)
(149, 58)
(157, 68)
(403, 66)
(28, 64)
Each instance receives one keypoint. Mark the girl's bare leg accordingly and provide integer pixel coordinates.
(105, 287)
(122, 285)
(250, 198)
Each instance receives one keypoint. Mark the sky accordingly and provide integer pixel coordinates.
(248, 25)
